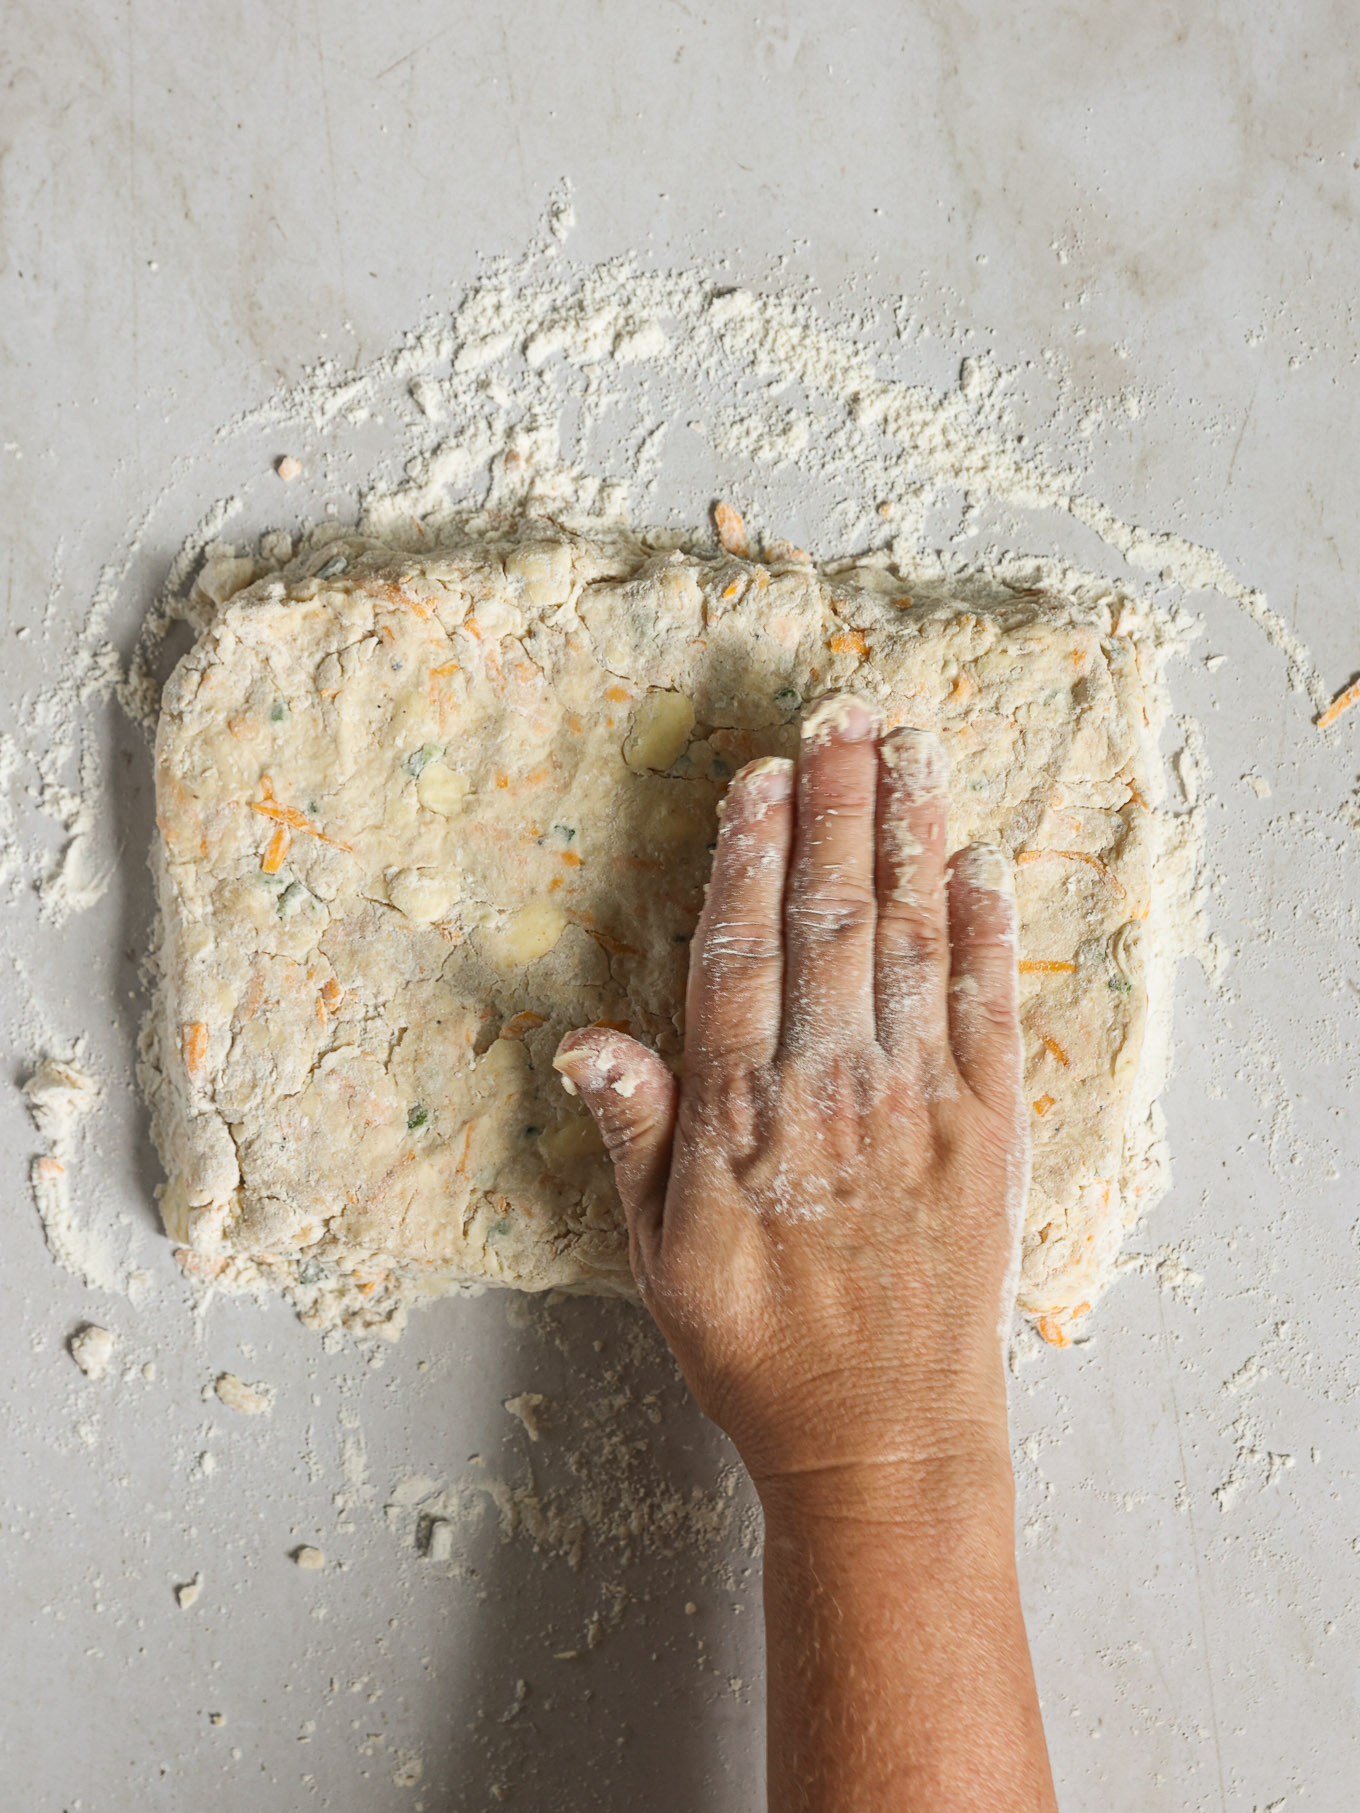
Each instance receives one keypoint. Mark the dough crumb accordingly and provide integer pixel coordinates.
(187, 1594)
(59, 1095)
(525, 1408)
(310, 1559)
(249, 1400)
(288, 468)
(439, 1543)
(91, 1347)
(1258, 784)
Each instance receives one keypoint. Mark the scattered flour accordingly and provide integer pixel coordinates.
(1251, 1462)
(60, 1095)
(1249, 1373)
(599, 396)
(568, 393)
(600, 1494)
(1168, 1266)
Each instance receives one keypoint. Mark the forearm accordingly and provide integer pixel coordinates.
(897, 1664)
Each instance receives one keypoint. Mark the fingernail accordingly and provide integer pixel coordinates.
(917, 757)
(608, 1062)
(986, 868)
(579, 1068)
(771, 776)
(841, 714)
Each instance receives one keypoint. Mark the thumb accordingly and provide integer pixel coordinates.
(632, 1096)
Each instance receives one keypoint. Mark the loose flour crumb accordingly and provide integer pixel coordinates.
(526, 1408)
(60, 1093)
(249, 1400)
(91, 1347)
(440, 1540)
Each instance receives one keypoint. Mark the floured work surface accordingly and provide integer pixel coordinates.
(421, 815)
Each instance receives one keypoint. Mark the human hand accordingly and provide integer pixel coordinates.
(824, 1214)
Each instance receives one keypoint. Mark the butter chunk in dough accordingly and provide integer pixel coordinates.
(420, 817)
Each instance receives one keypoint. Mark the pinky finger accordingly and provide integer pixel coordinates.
(984, 1025)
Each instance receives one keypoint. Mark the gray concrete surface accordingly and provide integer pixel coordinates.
(196, 203)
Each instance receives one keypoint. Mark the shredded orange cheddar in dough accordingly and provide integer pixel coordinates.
(1092, 862)
(194, 1043)
(731, 530)
(1342, 702)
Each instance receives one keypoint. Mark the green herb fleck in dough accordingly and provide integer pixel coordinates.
(421, 758)
(416, 1117)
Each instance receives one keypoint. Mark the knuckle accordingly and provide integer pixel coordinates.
(839, 776)
(991, 1008)
(724, 1089)
(987, 1017)
(738, 945)
(833, 798)
(911, 936)
(617, 1135)
(831, 916)
(625, 1127)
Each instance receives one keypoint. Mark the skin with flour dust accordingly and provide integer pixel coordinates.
(824, 1217)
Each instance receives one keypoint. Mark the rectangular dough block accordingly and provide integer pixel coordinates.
(421, 815)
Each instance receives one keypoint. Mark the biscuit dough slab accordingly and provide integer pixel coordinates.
(421, 815)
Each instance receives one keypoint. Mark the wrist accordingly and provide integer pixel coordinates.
(973, 1488)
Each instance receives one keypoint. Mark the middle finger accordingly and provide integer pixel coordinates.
(829, 910)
